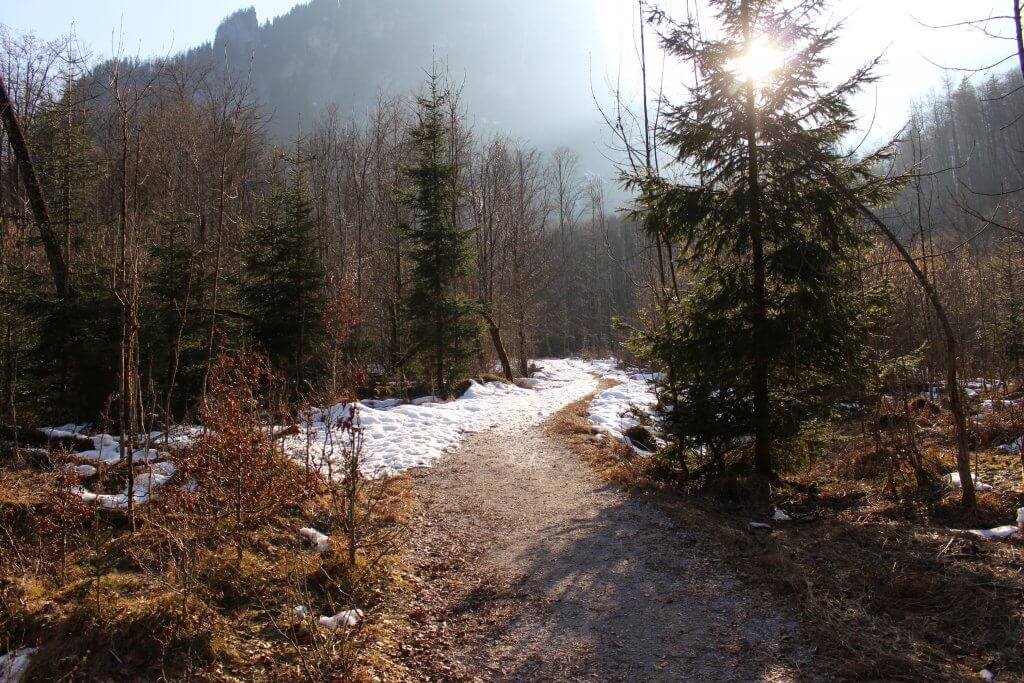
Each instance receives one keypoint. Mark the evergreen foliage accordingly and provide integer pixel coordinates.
(441, 316)
(173, 329)
(73, 337)
(1009, 304)
(283, 278)
(774, 322)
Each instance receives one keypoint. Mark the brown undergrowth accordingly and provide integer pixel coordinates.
(119, 612)
(206, 585)
(612, 458)
(882, 585)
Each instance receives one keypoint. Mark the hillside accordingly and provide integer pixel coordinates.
(525, 66)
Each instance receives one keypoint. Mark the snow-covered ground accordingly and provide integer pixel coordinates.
(398, 437)
(613, 409)
(13, 664)
(107, 450)
(144, 488)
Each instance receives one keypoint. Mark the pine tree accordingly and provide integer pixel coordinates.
(283, 288)
(773, 323)
(441, 317)
(73, 353)
(1008, 301)
(173, 329)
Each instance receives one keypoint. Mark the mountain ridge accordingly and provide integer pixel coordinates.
(352, 52)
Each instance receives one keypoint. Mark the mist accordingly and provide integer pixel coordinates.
(525, 68)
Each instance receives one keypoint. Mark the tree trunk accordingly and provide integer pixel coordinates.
(524, 362)
(956, 403)
(1019, 34)
(10, 370)
(759, 378)
(172, 378)
(212, 335)
(51, 245)
(492, 327)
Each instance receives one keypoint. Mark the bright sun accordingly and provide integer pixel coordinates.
(759, 61)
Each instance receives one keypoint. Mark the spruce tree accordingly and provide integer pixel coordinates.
(174, 329)
(73, 353)
(1009, 303)
(440, 251)
(773, 322)
(283, 289)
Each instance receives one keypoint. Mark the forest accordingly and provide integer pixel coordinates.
(445, 387)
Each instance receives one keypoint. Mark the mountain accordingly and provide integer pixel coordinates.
(525, 64)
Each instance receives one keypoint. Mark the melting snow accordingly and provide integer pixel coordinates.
(398, 437)
(349, 617)
(1012, 448)
(144, 488)
(321, 541)
(64, 431)
(953, 479)
(83, 471)
(107, 450)
(1004, 531)
(781, 516)
(611, 410)
(13, 664)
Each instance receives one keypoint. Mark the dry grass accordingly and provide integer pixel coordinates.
(611, 458)
(117, 611)
(881, 585)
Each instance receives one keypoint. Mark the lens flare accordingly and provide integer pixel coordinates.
(759, 61)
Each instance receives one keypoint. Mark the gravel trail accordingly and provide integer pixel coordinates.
(528, 567)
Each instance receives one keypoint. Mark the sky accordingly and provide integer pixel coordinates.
(911, 50)
(152, 27)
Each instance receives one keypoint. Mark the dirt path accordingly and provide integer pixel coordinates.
(529, 568)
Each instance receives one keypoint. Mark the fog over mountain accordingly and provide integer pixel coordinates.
(525, 64)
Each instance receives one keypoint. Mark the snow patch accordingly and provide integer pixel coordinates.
(108, 451)
(177, 437)
(321, 541)
(953, 479)
(346, 618)
(14, 664)
(83, 471)
(612, 409)
(399, 437)
(144, 489)
(1004, 531)
(1012, 448)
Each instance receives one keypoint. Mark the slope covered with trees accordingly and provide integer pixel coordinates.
(166, 184)
(344, 52)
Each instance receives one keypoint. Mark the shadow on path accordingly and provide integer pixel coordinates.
(564, 577)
